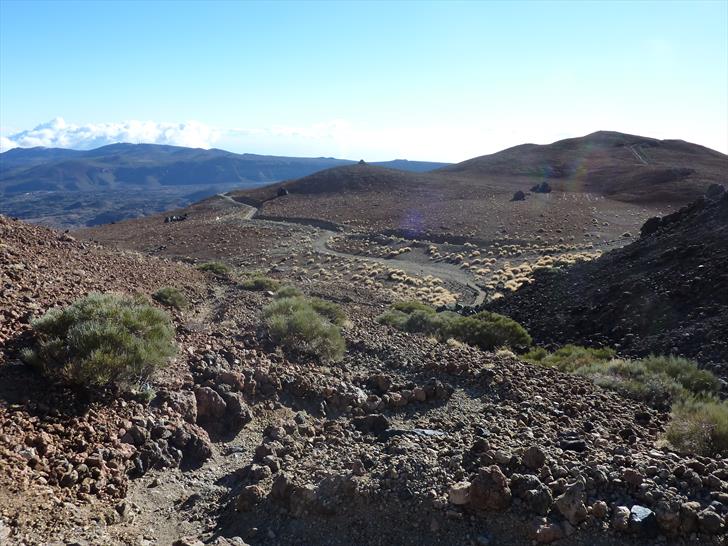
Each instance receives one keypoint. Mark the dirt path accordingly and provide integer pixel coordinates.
(446, 272)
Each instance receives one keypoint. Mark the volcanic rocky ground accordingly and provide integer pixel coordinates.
(405, 441)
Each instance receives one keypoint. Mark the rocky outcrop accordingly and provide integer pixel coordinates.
(661, 294)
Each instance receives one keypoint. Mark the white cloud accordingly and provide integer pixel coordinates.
(58, 133)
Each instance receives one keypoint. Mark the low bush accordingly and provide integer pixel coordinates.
(288, 291)
(656, 380)
(100, 340)
(171, 297)
(295, 324)
(329, 310)
(569, 358)
(632, 379)
(486, 330)
(490, 330)
(699, 426)
(217, 268)
(685, 372)
(260, 283)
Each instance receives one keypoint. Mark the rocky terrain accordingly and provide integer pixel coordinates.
(665, 293)
(439, 442)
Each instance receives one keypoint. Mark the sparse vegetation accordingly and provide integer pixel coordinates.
(307, 326)
(102, 339)
(569, 358)
(657, 380)
(217, 268)
(288, 291)
(699, 421)
(171, 297)
(699, 426)
(260, 283)
(484, 329)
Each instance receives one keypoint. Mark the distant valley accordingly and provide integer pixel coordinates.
(74, 188)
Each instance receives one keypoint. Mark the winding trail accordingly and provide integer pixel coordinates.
(445, 272)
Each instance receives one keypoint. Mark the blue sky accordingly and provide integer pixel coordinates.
(378, 80)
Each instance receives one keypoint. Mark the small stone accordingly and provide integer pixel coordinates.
(571, 502)
(643, 521)
(249, 497)
(549, 532)
(620, 518)
(710, 522)
(459, 493)
(534, 458)
(599, 509)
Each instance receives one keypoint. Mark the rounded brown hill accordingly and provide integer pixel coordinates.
(666, 293)
(625, 167)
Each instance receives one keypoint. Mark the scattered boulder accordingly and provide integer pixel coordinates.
(543, 187)
(489, 490)
(519, 196)
(571, 503)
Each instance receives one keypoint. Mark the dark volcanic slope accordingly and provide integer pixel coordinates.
(625, 167)
(665, 293)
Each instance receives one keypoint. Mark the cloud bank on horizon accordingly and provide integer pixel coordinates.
(57, 133)
(336, 138)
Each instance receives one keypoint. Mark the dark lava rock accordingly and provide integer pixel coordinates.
(643, 521)
(374, 423)
(572, 442)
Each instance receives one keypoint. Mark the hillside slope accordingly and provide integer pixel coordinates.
(665, 293)
(621, 166)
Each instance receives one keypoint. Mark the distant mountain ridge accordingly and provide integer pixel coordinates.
(71, 188)
(154, 165)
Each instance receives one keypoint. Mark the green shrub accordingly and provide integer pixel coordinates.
(657, 380)
(633, 379)
(329, 310)
(685, 372)
(490, 330)
(171, 297)
(288, 291)
(217, 268)
(486, 330)
(411, 306)
(569, 358)
(393, 317)
(295, 324)
(699, 426)
(260, 283)
(102, 339)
